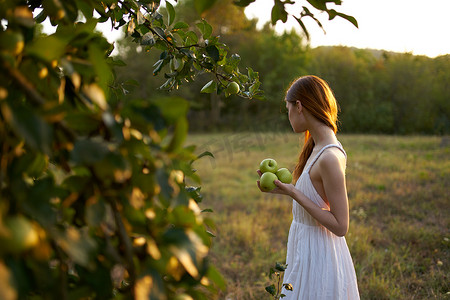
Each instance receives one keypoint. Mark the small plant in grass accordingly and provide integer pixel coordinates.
(275, 288)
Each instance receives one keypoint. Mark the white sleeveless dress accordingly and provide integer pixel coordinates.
(319, 263)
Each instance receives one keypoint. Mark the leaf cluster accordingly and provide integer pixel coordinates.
(275, 289)
(280, 13)
(97, 184)
(187, 52)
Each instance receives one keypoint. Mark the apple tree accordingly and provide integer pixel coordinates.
(95, 194)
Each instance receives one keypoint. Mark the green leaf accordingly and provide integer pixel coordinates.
(209, 87)
(131, 82)
(179, 135)
(171, 12)
(306, 12)
(158, 66)
(113, 167)
(147, 39)
(278, 12)
(95, 212)
(98, 59)
(205, 153)
(213, 52)
(116, 62)
(76, 183)
(163, 55)
(172, 108)
(78, 245)
(243, 3)
(39, 204)
(191, 38)
(254, 87)
(180, 25)
(54, 9)
(280, 267)
(194, 193)
(31, 163)
(216, 277)
(332, 13)
(41, 17)
(36, 132)
(271, 272)
(81, 121)
(203, 5)
(271, 289)
(210, 233)
(232, 63)
(47, 48)
(205, 29)
(302, 25)
(319, 4)
(98, 279)
(85, 8)
(160, 32)
(86, 152)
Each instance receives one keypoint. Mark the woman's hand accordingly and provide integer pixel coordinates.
(282, 188)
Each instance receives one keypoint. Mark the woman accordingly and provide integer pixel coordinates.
(319, 265)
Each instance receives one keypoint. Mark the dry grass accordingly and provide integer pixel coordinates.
(399, 205)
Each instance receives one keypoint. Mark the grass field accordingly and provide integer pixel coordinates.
(398, 191)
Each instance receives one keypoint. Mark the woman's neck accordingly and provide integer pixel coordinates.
(322, 135)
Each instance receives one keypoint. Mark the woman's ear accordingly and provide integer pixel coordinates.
(299, 106)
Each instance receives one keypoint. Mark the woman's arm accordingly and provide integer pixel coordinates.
(332, 172)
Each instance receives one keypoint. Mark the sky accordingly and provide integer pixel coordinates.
(420, 27)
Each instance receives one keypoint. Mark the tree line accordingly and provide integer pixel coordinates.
(377, 91)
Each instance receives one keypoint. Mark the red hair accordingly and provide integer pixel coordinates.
(317, 98)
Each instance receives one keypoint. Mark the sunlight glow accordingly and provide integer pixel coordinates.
(401, 26)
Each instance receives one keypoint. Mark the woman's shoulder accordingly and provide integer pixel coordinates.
(332, 157)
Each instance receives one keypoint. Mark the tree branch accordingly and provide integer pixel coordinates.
(63, 268)
(126, 242)
(34, 95)
(23, 82)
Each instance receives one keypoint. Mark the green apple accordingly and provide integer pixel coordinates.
(20, 235)
(284, 175)
(268, 165)
(176, 64)
(233, 88)
(267, 181)
(12, 42)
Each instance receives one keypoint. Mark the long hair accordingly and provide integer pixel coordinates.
(315, 96)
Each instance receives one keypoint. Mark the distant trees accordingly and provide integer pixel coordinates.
(278, 59)
(381, 92)
(378, 91)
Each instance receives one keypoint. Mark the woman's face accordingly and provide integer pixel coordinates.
(296, 117)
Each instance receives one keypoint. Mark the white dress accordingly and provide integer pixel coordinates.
(319, 265)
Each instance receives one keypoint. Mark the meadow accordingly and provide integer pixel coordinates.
(398, 188)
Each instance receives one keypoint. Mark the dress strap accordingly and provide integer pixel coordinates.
(339, 146)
